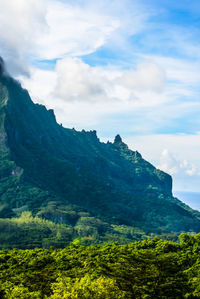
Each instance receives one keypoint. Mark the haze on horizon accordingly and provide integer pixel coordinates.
(128, 67)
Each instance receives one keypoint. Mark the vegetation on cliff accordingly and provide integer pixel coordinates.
(93, 190)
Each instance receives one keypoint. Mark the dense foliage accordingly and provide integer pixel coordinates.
(147, 269)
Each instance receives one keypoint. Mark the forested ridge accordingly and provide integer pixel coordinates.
(146, 269)
(59, 185)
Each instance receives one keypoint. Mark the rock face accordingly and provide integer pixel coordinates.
(42, 161)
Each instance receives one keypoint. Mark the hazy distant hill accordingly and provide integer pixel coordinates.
(87, 190)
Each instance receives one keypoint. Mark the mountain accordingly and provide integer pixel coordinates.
(92, 190)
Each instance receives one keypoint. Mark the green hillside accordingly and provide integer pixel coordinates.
(97, 192)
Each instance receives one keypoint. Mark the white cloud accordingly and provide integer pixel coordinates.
(78, 80)
(180, 70)
(74, 80)
(148, 76)
(73, 30)
(170, 164)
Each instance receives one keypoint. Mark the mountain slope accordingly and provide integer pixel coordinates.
(43, 164)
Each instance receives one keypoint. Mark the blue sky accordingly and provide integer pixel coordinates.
(128, 67)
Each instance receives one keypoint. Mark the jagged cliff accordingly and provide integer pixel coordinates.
(41, 162)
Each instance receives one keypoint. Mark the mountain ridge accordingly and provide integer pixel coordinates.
(42, 162)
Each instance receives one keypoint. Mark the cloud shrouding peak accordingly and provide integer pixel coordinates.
(21, 23)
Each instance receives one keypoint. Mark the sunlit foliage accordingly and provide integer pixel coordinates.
(147, 269)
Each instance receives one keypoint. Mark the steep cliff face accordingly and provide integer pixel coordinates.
(41, 161)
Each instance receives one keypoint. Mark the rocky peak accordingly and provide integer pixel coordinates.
(120, 144)
(118, 139)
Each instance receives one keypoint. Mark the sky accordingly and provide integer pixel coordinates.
(129, 67)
